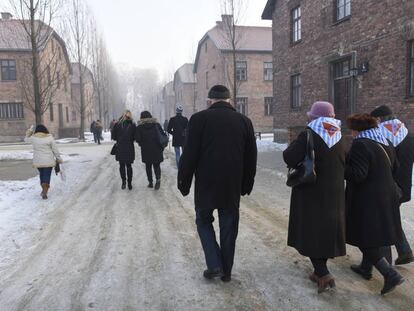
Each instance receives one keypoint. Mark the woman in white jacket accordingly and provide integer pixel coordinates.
(45, 155)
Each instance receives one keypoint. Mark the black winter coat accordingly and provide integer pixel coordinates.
(317, 211)
(372, 207)
(404, 175)
(221, 152)
(147, 138)
(177, 128)
(124, 134)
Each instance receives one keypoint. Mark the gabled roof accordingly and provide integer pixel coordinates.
(76, 73)
(185, 74)
(13, 37)
(251, 39)
(269, 9)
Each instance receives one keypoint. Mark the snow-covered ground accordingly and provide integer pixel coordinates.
(266, 144)
(88, 138)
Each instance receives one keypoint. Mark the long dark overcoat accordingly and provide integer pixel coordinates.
(221, 152)
(317, 211)
(177, 128)
(124, 134)
(372, 207)
(148, 139)
(404, 175)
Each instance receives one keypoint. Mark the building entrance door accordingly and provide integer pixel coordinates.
(342, 88)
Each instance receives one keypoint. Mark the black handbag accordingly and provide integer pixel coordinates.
(162, 137)
(304, 172)
(57, 167)
(114, 149)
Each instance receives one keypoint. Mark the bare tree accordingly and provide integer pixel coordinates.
(41, 77)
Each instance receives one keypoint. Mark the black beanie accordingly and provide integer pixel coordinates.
(219, 92)
(381, 111)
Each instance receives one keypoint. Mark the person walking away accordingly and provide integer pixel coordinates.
(177, 128)
(45, 155)
(372, 200)
(317, 211)
(98, 130)
(148, 138)
(221, 153)
(165, 126)
(124, 135)
(93, 131)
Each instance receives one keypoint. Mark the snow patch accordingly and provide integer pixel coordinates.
(267, 146)
(16, 155)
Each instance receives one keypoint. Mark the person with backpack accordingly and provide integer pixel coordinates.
(177, 128)
(152, 140)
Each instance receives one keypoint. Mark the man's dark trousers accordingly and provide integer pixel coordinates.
(218, 256)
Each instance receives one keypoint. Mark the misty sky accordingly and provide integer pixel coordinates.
(161, 33)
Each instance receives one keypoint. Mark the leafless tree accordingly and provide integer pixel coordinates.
(41, 77)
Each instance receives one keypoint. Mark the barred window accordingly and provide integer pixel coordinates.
(52, 114)
(67, 115)
(242, 105)
(296, 90)
(241, 71)
(268, 106)
(296, 24)
(268, 71)
(11, 111)
(411, 69)
(207, 80)
(8, 70)
(343, 9)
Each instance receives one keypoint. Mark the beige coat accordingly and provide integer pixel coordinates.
(45, 151)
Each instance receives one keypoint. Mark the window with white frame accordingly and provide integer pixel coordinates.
(241, 70)
(268, 71)
(242, 105)
(8, 70)
(296, 90)
(296, 24)
(343, 9)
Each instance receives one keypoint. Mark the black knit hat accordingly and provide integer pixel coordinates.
(146, 115)
(219, 92)
(381, 111)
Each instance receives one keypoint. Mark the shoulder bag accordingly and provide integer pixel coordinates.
(162, 137)
(397, 186)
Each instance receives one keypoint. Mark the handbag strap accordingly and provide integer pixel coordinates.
(386, 153)
(310, 150)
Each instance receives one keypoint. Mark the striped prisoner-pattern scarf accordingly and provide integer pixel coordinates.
(329, 129)
(394, 130)
(373, 134)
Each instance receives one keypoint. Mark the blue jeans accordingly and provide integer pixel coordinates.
(177, 154)
(218, 256)
(45, 174)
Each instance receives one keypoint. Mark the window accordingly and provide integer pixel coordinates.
(296, 25)
(67, 114)
(268, 106)
(411, 69)
(11, 111)
(207, 80)
(296, 90)
(241, 105)
(268, 71)
(73, 115)
(241, 71)
(8, 70)
(52, 114)
(343, 9)
(342, 68)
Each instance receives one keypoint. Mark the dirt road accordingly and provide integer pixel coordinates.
(107, 249)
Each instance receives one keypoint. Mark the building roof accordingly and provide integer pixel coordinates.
(251, 39)
(269, 9)
(185, 74)
(76, 75)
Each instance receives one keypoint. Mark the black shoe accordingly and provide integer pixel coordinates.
(157, 184)
(404, 259)
(226, 278)
(123, 185)
(391, 277)
(365, 273)
(150, 185)
(211, 274)
(129, 186)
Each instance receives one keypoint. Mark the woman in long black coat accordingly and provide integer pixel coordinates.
(317, 211)
(148, 137)
(124, 135)
(372, 202)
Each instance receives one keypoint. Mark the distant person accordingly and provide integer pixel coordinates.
(148, 137)
(165, 126)
(124, 135)
(45, 155)
(98, 130)
(93, 131)
(372, 198)
(177, 128)
(317, 210)
(221, 153)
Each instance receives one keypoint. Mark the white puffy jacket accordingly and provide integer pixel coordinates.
(45, 151)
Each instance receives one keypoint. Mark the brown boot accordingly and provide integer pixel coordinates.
(325, 283)
(45, 187)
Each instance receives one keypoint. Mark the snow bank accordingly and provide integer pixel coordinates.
(267, 146)
(16, 155)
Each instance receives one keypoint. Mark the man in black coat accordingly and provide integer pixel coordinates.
(221, 153)
(177, 128)
(396, 132)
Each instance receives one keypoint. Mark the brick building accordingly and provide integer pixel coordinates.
(357, 54)
(168, 99)
(214, 65)
(184, 89)
(16, 106)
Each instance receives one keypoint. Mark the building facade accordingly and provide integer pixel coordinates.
(254, 70)
(185, 89)
(168, 100)
(357, 54)
(16, 86)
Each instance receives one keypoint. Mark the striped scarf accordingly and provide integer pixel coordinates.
(373, 134)
(329, 129)
(394, 130)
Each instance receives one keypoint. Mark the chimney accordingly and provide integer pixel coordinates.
(6, 16)
(227, 20)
